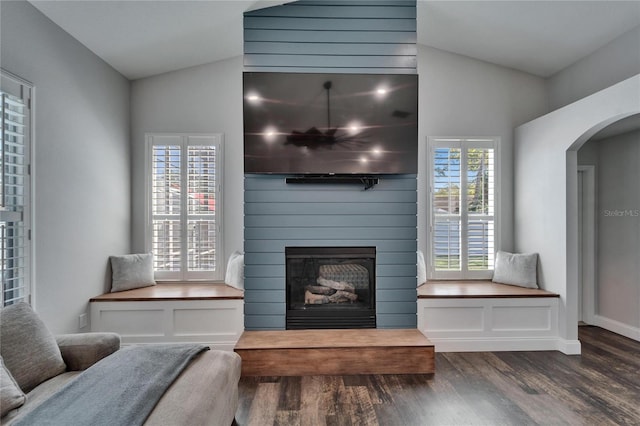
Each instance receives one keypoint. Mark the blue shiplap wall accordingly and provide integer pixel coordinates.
(343, 36)
(278, 215)
(331, 36)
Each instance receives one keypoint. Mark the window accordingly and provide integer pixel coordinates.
(15, 217)
(184, 198)
(462, 226)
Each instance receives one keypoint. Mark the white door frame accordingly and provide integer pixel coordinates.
(588, 232)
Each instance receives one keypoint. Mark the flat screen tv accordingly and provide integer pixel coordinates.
(330, 124)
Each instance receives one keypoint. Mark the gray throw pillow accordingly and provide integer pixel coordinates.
(516, 269)
(131, 271)
(11, 396)
(28, 348)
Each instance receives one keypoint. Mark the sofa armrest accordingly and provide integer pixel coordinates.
(82, 350)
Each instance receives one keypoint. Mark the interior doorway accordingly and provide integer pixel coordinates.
(587, 243)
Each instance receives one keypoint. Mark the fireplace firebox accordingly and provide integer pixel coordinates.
(330, 287)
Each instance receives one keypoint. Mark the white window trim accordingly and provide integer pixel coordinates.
(479, 142)
(24, 89)
(184, 276)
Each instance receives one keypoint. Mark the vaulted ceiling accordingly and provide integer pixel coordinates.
(144, 38)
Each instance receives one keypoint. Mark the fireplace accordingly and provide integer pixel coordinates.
(330, 287)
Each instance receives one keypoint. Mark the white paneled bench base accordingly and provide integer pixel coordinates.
(210, 314)
(479, 316)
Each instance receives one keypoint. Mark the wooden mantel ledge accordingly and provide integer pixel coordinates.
(471, 289)
(182, 291)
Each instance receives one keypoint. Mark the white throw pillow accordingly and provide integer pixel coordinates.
(235, 270)
(516, 269)
(131, 271)
(422, 269)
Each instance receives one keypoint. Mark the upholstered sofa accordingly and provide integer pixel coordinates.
(37, 368)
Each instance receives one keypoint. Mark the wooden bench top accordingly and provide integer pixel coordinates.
(476, 289)
(163, 292)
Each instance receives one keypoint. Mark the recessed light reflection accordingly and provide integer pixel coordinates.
(254, 98)
(354, 127)
(270, 133)
(364, 159)
(381, 92)
(376, 152)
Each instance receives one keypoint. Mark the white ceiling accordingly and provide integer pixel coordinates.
(144, 38)
(539, 37)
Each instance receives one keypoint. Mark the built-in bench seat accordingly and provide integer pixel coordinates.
(211, 314)
(460, 316)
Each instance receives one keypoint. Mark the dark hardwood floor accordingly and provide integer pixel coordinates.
(599, 387)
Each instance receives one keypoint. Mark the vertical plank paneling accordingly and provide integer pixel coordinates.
(371, 36)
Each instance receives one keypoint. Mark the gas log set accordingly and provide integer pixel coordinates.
(337, 283)
(329, 291)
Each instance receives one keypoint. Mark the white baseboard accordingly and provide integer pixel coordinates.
(625, 330)
(569, 347)
(502, 344)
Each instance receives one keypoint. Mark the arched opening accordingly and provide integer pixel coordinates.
(609, 228)
(546, 191)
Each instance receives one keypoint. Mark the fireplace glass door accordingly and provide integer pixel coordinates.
(330, 287)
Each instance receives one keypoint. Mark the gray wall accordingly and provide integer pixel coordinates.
(202, 99)
(612, 63)
(82, 162)
(618, 288)
(460, 96)
(618, 226)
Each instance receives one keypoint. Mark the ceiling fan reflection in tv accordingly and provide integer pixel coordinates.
(379, 137)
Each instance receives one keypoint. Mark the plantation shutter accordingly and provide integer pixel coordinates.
(185, 206)
(15, 190)
(463, 204)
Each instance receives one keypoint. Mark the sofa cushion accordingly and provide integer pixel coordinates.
(28, 348)
(81, 350)
(516, 269)
(38, 395)
(131, 271)
(11, 396)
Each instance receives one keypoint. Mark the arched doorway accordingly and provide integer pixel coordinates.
(546, 191)
(609, 228)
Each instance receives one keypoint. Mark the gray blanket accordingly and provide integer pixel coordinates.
(122, 389)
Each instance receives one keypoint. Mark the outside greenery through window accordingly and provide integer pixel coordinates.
(463, 205)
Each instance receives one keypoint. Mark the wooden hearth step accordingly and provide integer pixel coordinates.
(335, 352)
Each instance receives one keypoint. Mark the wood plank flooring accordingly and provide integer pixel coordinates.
(599, 387)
